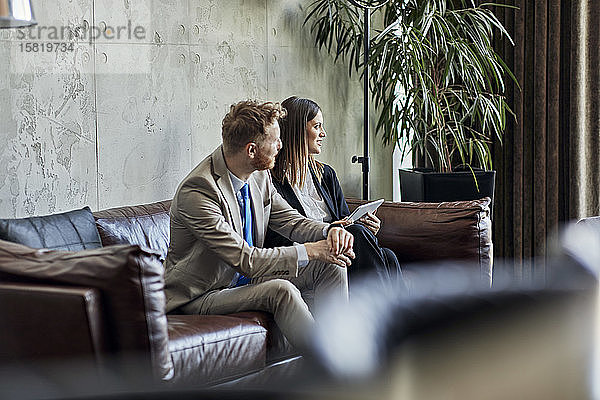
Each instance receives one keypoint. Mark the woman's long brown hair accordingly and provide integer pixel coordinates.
(293, 158)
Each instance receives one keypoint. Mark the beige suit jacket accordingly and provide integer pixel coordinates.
(207, 248)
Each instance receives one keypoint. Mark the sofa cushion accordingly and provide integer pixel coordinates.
(146, 225)
(422, 232)
(131, 284)
(72, 230)
(209, 348)
(278, 346)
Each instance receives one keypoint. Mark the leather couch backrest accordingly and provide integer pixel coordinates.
(146, 225)
(417, 232)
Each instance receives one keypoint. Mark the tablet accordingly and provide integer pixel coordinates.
(365, 208)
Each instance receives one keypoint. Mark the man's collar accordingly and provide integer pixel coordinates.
(236, 182)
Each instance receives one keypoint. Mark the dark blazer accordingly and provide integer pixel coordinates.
(331, 192)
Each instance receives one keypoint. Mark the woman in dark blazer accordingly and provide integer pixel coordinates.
(313, 189)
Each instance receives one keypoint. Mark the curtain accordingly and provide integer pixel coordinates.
(548, 164)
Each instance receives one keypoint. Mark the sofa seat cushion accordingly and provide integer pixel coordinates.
(209, 348)
(72, 230)
(277, 345)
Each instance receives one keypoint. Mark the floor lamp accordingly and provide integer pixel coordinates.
(16, 14)
(367, 7)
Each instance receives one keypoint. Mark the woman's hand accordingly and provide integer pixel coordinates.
(343, 222)
(371, 221)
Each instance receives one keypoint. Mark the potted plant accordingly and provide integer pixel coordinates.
(437, 84)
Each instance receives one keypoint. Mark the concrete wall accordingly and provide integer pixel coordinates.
(121, 120)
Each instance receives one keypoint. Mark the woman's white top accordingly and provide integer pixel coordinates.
(311, 200)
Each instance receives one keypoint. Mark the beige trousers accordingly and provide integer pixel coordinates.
(290, 300)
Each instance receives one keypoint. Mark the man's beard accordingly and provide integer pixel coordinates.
(261, 161)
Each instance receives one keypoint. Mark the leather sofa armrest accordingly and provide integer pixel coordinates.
(50, 322)
(130, 282)
(424, 232)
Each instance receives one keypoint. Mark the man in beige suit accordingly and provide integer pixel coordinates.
(220, 213)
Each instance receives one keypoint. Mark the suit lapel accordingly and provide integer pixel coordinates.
(226, 188)
(287, 192)
(257, 211)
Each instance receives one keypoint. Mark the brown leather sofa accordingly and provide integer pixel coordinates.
(107, 304)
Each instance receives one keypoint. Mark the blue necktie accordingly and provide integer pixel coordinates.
(247, 221)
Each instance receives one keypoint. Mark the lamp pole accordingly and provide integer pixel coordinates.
(365, 160)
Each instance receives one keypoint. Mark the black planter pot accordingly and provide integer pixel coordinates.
(420, 184)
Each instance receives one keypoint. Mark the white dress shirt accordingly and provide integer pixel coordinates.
(237, 184)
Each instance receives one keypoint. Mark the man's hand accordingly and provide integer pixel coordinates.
(321, 251)
(371, 222)
(339, 240)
